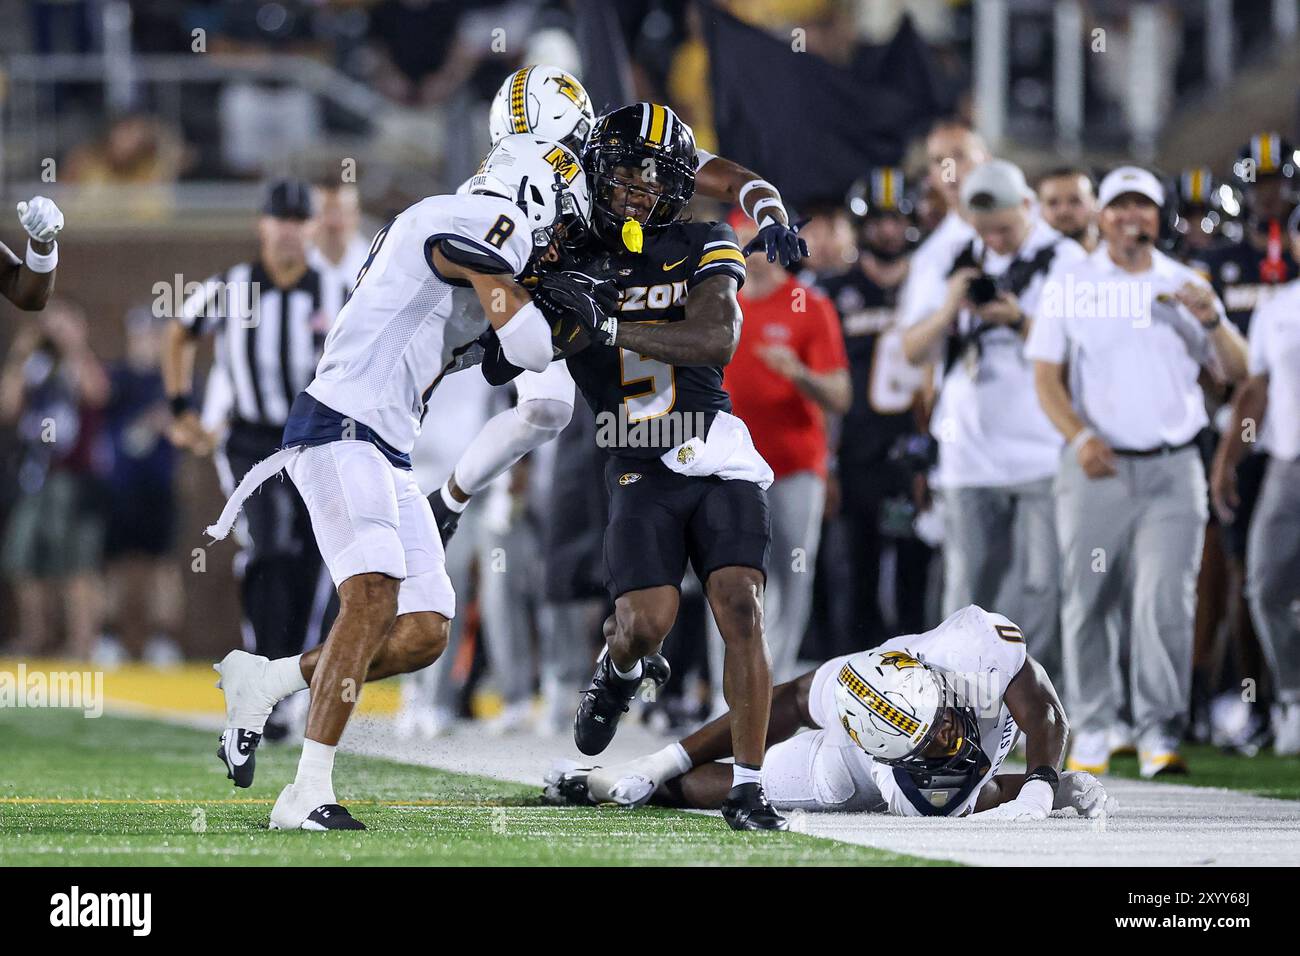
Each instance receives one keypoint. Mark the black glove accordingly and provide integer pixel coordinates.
(586, 299)
(778, 240)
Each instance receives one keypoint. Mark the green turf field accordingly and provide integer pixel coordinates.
(116, 791)
(1266, 774)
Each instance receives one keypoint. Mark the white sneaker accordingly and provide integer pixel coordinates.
(1158, 757)
(109, 654)
(311, 810)
(162, 651)
(248, 704)
(1286, 730)
(423, 721)
(1090, 753)
(1119, 740)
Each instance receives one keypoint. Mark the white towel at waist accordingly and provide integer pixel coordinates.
(728, 453)
(251, 481)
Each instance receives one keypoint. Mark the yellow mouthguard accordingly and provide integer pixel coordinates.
(632, 236)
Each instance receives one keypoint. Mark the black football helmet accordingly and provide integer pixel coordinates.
(640, 161)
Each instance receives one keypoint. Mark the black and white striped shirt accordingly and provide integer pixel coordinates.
(269, 340)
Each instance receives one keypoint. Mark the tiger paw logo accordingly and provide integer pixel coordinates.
(900, 659)
(629, 478)
(685, 455)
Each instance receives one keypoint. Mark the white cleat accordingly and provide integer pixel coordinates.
(1090, 753)
(1286, 730)
(629, 784)
(1119, 740)
(247, 703)
(311, 810)
(513, 719)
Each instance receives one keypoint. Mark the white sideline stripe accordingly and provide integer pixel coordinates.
(1158, 824)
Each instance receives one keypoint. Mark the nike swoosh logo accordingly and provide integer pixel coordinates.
(673, 265)
(233, 754)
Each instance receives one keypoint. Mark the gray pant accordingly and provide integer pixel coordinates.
(797, 502)
(1273, 575)
(1135, 536)
(1000, 552)
(509, 583)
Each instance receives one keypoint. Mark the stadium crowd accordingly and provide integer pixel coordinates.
(941, 431)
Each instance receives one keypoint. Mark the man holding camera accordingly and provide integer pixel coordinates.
(998, 452)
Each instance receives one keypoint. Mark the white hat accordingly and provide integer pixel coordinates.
(1130, 179)
(996, 184)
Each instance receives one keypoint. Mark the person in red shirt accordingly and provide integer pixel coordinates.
(789, 371)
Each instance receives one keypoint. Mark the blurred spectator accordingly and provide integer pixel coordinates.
(831, 249)
(1136, 328)
(788, 372)
(995, 468)
(1270, 399)
(1067, 202)
(876, 490)
(53, 390)
(136, 152)
(144, 584)
(338, 248)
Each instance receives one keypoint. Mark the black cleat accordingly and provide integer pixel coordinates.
(238, 751)
(331, 816)
(746, 808)
(606, 701)
(443, 517)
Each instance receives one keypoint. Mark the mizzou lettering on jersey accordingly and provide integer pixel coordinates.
(655, 298)
(656, 285)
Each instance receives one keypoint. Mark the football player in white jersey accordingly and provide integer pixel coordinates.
(919, 726)
(438, 275)
(549, 102)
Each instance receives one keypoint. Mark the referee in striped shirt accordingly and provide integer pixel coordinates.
(268, 319)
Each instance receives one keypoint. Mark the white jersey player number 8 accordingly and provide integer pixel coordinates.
(636, 368)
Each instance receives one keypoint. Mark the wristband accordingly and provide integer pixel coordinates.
(763, 208)
(1211, 326)
(1046, 774)
(39, 262)
(752, 185)
(1078, 440)
(180, 404)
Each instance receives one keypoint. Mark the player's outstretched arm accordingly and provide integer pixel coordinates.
(707, 336)
(28, 283)
(730, 182)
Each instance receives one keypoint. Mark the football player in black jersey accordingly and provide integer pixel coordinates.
(652, 373)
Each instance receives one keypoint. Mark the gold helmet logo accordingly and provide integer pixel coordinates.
(563, 162)
(570, 88)
(900, 659)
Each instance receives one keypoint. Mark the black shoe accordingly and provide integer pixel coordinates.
(567, 787)
(443, 517)
(238, 751)
(606, 701)
(746, 808)
(331, 816)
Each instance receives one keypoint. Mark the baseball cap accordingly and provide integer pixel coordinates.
(1130, 179)
(997, 184)
(288, 199)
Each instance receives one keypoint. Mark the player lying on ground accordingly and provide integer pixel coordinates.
(28, 282)
(439, 275)
(552, 104)
(918, 726)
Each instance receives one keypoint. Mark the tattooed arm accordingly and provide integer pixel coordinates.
(707, 336)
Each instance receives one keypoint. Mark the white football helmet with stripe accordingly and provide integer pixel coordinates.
(889, 702)
(545, 180)
(545, 101)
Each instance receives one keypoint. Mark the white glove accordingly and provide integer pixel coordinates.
(1084, 793)
(1012, 810)
(41, 218)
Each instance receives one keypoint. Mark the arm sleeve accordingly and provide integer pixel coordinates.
(824, 347)
(719, 254)
(702, 157)
(526, 339)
